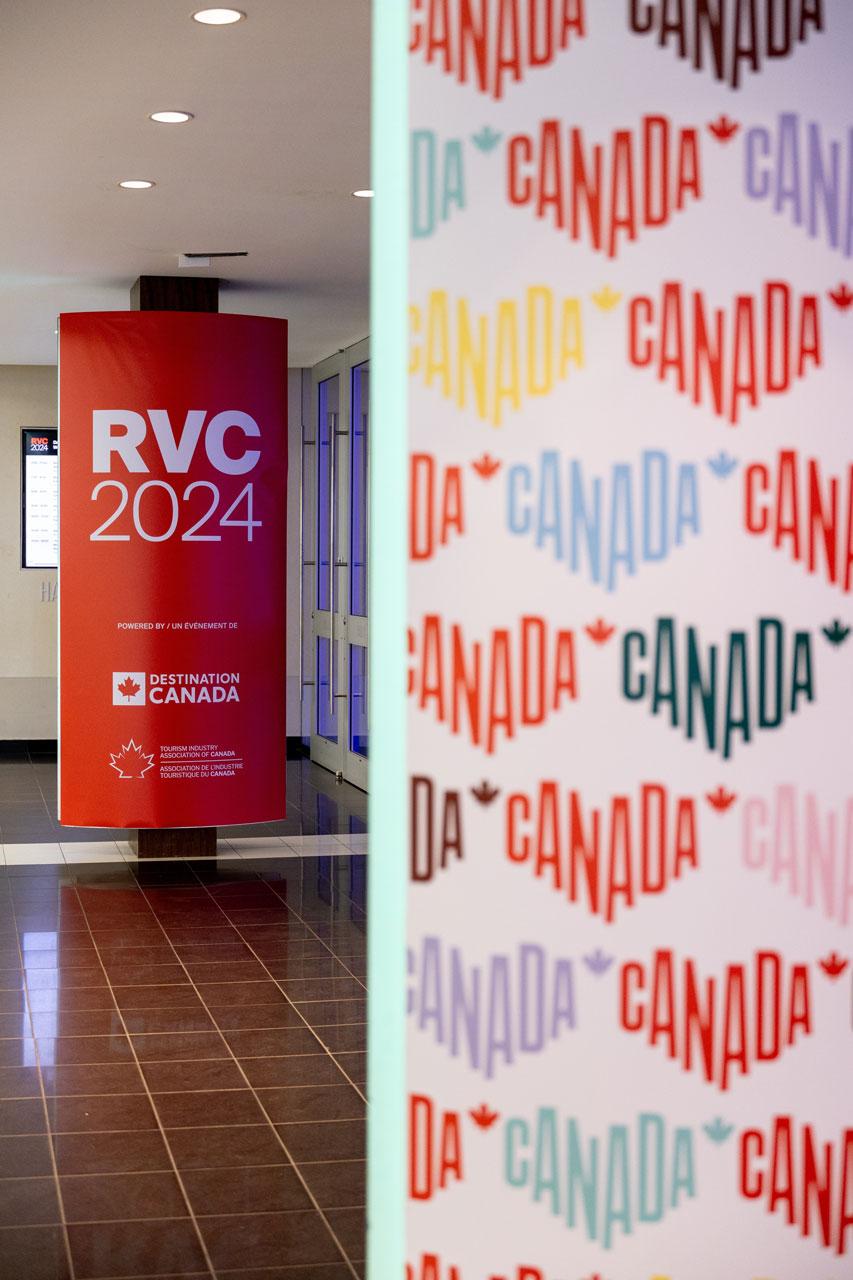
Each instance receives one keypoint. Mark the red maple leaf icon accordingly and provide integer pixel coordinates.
(721, 799)
(483, 1117)
(842, 297)
(131, 761)
(599, 631)
(723, 128)
(834, 965)
(486, 466)
(128, 688)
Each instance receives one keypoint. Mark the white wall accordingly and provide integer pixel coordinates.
(28, 596)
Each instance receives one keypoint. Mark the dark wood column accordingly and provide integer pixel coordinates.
(175, 293)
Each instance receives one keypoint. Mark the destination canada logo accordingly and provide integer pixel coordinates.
(131, 687)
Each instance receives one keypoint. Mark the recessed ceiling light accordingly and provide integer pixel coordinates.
(171, 117)
(364, 195)
(218, 17)
(136, 184)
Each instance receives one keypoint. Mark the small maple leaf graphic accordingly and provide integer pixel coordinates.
(131, 761)
(717, 1130)
(606, 299)
(486, 466)
(487, 139)
(485, 793)
(842, 296)
(483, 1118)
(834, 965)
(128, 688)
(723, 128)
(599, 631)
(836, 633)
(723, 464)
(597, 962)
(721, 799)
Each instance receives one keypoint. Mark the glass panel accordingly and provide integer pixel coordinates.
(327, 708)
(358, 699)
(358, 489)
(327, 411)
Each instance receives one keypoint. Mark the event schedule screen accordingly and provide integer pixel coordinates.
(40, 498)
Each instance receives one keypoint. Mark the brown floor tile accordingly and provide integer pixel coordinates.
(26, 1201)
(269, 1189)
(47, 979)
(242, 970)
(71, 1000)
(227, 952)
(101, 1078)
(267, 1238)
(156, 954)
(302, 989)
(355, 1065)
(168, 1077)
(180, 936)
(11, 977)
(15, 1025)
(122, 1197)
(191, 1110)
(13, 1001)
(179, 1046)
(312, 1102)
(345, 1039)
(350, 1226)
(19, 1082)
(77, 1022)
(324, 1140)
(101, 1113)
(283, 965)
(37, 1253)
(17, 1052)
(260, 1017)
(168, 997)
(25, 1157)
(84, 1050)
(220, 994)
(336, 1184)
(272, 1043)
(140, 1021)
(146, 975)
(211, 1148)
(277, 1073)
(330, 1013)
(22, 1115)
(135, 1249)
(133, 1152)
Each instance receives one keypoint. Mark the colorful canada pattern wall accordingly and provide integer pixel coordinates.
(630, 906)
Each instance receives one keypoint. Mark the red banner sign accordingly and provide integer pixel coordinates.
(173, 467)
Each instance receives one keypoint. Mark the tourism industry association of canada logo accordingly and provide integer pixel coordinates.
(132, 761)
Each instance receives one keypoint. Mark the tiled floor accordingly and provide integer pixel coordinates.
(316, 805)
(182, 1060)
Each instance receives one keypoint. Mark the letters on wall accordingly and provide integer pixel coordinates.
(630, 691)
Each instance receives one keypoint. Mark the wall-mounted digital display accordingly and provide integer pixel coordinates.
(39, 498)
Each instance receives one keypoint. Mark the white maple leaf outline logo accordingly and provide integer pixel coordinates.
(131, 749)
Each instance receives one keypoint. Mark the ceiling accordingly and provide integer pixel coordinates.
(279, 141)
